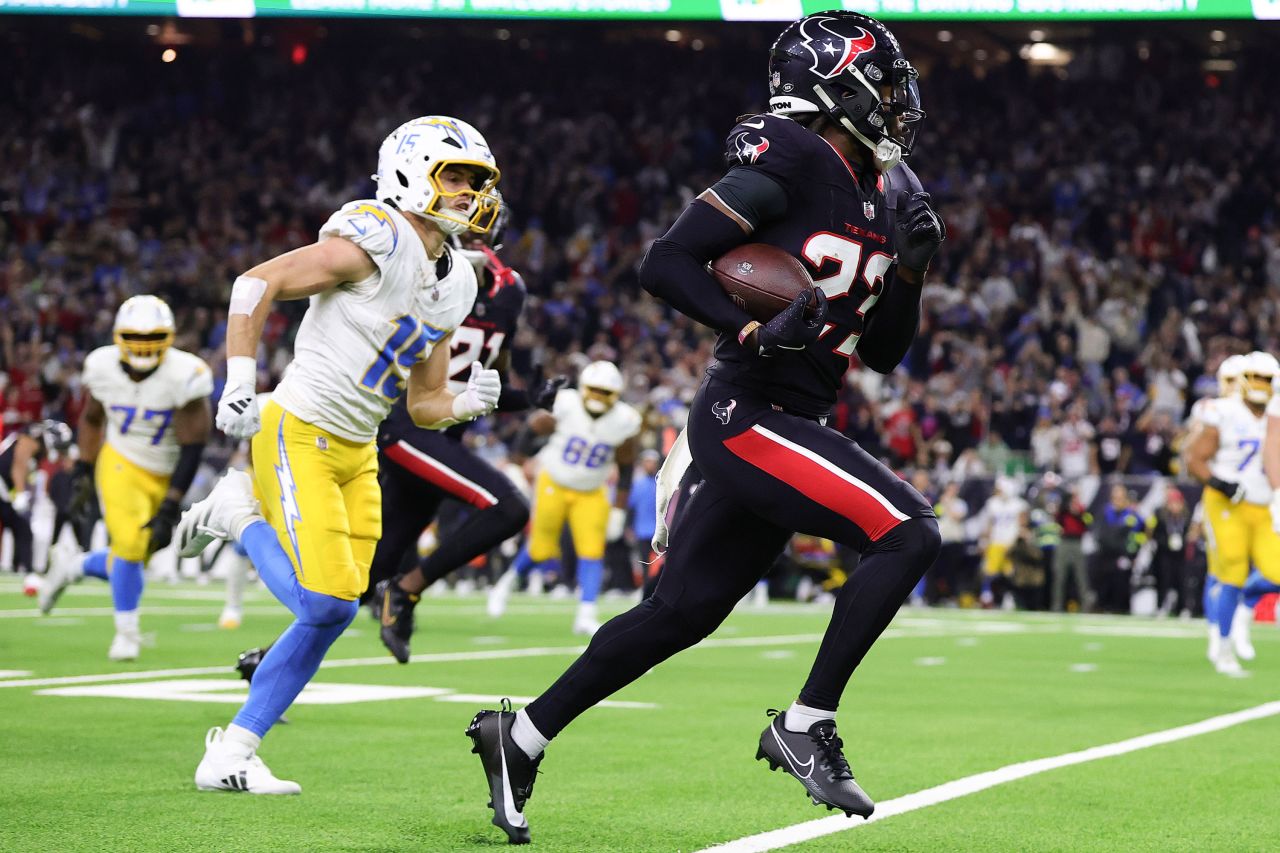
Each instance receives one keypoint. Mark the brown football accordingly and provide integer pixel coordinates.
(761, 279)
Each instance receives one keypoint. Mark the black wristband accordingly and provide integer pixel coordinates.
(185, 471)
(1227, 487)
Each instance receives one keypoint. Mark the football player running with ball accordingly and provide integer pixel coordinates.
(386, 293)
(821, 177)
(142, 433)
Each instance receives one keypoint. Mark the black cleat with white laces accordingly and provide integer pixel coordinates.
(817, 759)
(395, 615)
(510, 772)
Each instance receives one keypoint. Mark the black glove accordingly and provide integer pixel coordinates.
(1234, 492)
(161, 526)
(545, 395)
(918, 231)
(81, 488)
(794, 328)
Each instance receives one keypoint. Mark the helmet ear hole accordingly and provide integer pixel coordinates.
(404, 182)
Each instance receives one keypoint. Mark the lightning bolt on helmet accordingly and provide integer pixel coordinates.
(413, 156)
(850, 68)
(143, 331)
(1229, 372)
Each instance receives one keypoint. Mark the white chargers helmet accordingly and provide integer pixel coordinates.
(1260, 371)
(601, 385)
(144, 332)
(1229, 372)
(411, 159)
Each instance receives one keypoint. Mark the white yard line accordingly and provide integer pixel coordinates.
(386, 660)
(787, 836)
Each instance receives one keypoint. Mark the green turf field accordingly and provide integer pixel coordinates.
(944, 696)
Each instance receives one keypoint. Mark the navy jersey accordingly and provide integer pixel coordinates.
(486, 332)
(839, 225)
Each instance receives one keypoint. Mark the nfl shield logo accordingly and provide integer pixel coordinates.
(869, 210)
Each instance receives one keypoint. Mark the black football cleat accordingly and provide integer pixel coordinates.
(247, 663)
(511, 773)
(817, 759)
(395, 615)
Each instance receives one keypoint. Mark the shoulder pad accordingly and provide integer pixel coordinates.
(371, 225)
(773, 144)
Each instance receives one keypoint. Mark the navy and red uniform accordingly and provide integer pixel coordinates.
(765, 465)
(419, 468)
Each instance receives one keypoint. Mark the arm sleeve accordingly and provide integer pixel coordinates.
(892, 326)
(751, 194)
(675, 270)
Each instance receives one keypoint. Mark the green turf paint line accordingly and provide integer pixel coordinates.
(787, 836)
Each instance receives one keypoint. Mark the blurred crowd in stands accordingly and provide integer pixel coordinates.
(1113, 234)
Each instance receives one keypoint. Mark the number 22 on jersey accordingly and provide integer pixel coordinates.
(826, 246)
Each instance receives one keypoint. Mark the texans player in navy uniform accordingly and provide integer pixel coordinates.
(21, 453)
(419, 469)
(815, 176)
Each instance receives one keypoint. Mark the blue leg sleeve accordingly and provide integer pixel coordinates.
(1256, 587)
(1209, 599)
(523, 563)
(294, 658)
(95, 564)
(1228, 598)
(590, 576)
(274, 566)
(126, 584)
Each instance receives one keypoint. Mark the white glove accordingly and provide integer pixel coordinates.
(1275, 510)
(481, 396)
(617, 524)
(22, 502)
(238, 409)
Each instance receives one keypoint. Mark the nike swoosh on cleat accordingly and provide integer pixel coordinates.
(791, 757)
(515, 818)
(386, 610)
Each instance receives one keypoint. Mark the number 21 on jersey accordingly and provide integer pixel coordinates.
(826, 246)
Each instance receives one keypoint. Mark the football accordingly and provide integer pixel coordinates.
(761, 279)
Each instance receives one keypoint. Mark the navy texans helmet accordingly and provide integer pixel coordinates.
(850, 68)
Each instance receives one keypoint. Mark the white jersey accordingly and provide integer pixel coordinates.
(358, 341)
(1004, 517)
(1239, 456)
(140, 414)
(582, 447)
(1199, 407)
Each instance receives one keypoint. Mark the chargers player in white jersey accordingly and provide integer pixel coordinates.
(1227, 375)
(386, 293)
(142, 432)
(590, 430)
(1225, 455)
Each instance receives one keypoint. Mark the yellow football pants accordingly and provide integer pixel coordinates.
(320, 492)
(1240, 535)
(130, 495)
(586, 512)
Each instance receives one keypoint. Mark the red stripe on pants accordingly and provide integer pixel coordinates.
(814, 481)
(436, 477)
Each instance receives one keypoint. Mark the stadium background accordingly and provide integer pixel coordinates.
(1110, 191)
(1111, 196)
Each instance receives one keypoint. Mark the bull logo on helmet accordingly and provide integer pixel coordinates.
(747, 151)
(833, 52)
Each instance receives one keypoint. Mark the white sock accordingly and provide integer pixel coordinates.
(241, 737)
(527, 736)
(587, 610)
(800, 717)
(241, 524)
(126, 621)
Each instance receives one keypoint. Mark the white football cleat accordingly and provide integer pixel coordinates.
(499, 592)
(228, 508)
(125, 646)
(66, 566)
(229, 766)
(230, 618)
(585, 621)
(1240, 633)
(535, 586)
(1226, 663)
(31, 584)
